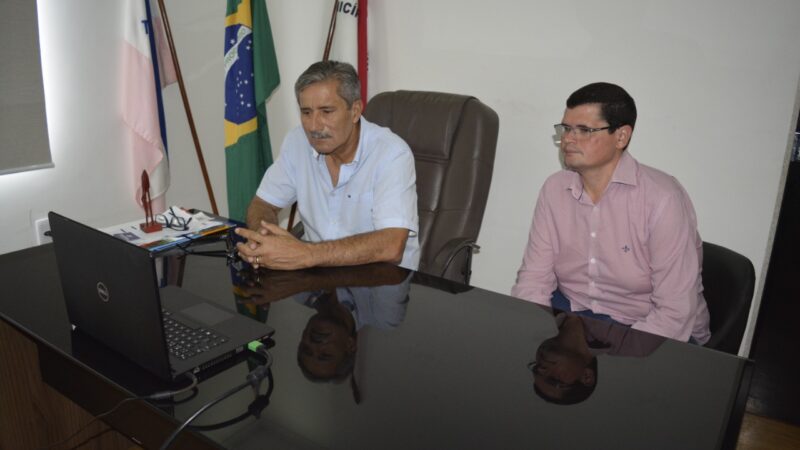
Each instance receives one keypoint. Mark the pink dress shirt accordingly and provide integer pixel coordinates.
(636, 255)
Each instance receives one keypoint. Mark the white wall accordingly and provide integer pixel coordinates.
(715, 82)
(88, 178)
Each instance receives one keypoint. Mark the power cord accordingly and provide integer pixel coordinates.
(157, 396)
(255, 407)
(253, 379)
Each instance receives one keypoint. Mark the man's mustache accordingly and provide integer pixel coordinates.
(319, 135)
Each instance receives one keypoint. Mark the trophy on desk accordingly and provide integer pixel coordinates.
(149, 225)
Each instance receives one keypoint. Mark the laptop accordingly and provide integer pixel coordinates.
(112, 294)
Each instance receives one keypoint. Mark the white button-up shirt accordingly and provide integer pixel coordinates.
(376, 190)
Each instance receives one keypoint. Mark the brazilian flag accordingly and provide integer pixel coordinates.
(251, 74)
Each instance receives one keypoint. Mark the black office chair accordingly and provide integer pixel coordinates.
(728, 282)
(453, 138)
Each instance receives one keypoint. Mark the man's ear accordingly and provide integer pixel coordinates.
(623, 134)
(356, 110)
(352, 345)
(588, 377)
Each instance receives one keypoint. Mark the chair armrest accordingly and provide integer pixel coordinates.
(298, 230)
(450, 251)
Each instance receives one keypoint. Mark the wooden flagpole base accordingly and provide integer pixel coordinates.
(154, 227)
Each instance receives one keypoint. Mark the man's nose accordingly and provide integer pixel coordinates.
(316, 121)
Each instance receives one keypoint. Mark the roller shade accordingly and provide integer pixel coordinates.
(23, 126)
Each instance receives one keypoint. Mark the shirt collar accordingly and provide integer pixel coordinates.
(575, 185)
(359, 149)
(624, 173)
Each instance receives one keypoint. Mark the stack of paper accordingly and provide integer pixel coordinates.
(184, 227)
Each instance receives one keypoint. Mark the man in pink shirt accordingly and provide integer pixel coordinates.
(612, 238)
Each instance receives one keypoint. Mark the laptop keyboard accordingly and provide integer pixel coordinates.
(185, 342)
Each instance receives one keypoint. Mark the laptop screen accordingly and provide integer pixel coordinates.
(111, 291)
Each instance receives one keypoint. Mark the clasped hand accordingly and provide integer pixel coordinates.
(261, 287)
(273, 247)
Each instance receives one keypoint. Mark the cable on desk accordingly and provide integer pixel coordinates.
(253, 379)
(253, 409)
(173, 402)
(157, 396)
(187, 247)
(202, 409)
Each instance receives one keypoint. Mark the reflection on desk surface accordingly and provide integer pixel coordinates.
(343, 301)
(566, 370)
(435, 367)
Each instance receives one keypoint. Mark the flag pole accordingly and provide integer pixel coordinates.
(186, 107)
(363, 57)
(331, 30)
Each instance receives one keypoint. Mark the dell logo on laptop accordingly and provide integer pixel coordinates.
(102, 291)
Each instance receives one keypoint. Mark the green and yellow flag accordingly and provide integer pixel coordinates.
(251, 74)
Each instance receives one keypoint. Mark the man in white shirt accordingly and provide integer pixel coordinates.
(354, 183)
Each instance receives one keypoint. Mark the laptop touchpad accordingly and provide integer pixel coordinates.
(206, 314)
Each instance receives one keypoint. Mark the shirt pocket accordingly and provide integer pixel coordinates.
(357, 212)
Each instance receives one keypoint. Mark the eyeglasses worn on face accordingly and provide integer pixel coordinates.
(534, 367)
(580, 131)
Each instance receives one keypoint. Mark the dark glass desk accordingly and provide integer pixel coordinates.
(446, 369)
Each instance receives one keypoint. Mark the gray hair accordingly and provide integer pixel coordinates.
(349, 84)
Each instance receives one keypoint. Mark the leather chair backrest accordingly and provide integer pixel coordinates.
(728, 285)
(453, 138)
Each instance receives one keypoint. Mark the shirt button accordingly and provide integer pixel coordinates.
(593, 234)
(592, 261)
